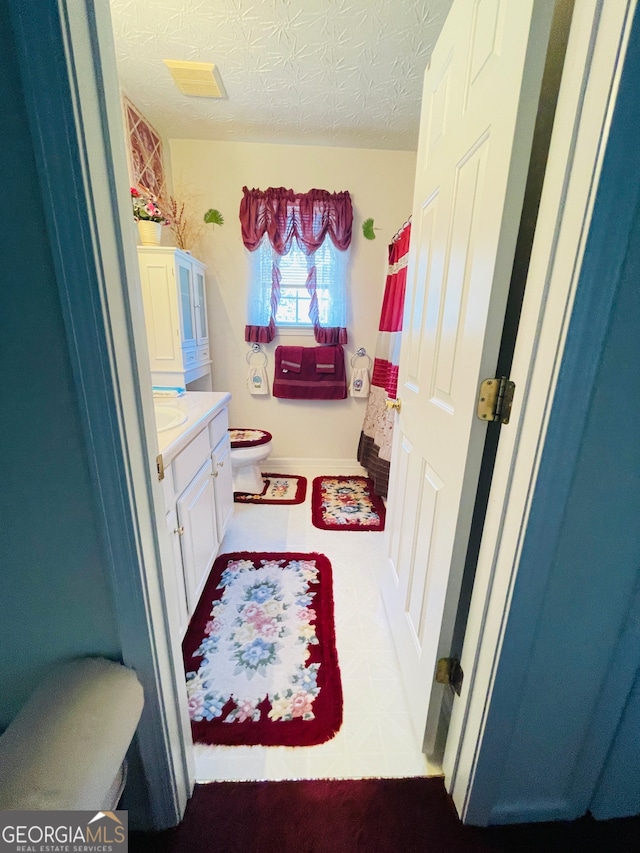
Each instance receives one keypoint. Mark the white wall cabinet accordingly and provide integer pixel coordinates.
(198, 494)
(175, 311)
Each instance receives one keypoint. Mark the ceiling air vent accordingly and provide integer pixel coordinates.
(198, 79)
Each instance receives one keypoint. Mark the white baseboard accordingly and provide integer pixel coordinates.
(315, 467)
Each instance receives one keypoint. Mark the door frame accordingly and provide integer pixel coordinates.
(75, 118)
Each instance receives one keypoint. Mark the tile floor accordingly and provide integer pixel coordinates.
(376, 738)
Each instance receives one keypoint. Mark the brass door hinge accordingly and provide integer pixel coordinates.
(495, 399)
(449, 671)
(160, 466)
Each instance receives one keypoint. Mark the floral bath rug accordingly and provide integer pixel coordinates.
(278, 489)
(346, 503)
(260, 653)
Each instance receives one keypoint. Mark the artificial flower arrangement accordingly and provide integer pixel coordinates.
(145, 207)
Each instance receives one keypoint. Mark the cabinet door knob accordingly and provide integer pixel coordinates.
(220, 464)
(214, 473)
(179, 530)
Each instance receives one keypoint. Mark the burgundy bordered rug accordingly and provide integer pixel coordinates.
(346, 503)
(278, 489)
(260, 652)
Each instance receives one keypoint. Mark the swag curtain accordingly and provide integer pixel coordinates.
(279, 216)
(374, 449)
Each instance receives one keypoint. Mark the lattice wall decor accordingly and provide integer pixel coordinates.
(146, 168)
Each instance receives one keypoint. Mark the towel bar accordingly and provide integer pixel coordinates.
(253, 351)
(360, 353)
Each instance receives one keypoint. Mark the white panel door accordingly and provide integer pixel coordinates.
(480, 97)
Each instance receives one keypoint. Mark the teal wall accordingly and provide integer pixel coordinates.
(55, 601)
(618, 792)
(591, 585)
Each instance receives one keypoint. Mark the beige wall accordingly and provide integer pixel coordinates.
(212, 174)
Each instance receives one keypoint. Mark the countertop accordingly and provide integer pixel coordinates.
(200, 407)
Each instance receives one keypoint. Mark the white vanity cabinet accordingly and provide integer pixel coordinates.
(222, 483)
(175, 589)
(175, 312)
(199, 532)
(198, 494)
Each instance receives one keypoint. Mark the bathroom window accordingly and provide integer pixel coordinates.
(299, 248)
(295, 300)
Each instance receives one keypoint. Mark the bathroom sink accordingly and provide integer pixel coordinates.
(168, 417)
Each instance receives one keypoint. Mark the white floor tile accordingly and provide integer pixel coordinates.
(376, 738)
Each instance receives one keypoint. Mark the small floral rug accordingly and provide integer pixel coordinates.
(346, 503)
(260, 654)
(278, 489)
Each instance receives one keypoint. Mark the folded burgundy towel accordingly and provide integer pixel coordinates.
(325, 359)
(309, 383)
(291, 359)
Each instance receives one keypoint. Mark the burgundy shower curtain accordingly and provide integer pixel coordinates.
(374, 449)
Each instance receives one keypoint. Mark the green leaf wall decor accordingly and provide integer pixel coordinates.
(367, 229)
(214, 217)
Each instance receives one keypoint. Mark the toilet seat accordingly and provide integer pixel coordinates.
(248, 437)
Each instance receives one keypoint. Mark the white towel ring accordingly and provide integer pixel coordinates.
(361, 353)
(250, 355)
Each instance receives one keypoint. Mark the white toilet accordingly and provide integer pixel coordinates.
(249, 449)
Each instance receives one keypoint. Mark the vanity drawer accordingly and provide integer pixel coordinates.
(189, 357)
(218, 427)
(189, 461)
(203, 354)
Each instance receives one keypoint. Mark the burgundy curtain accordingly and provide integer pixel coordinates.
(308, 218)
(374, 449)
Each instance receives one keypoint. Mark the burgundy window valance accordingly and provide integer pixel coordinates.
(283, 215)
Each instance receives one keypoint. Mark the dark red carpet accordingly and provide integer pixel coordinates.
(365, 816)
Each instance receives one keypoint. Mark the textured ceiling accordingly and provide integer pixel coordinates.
(315, 72)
